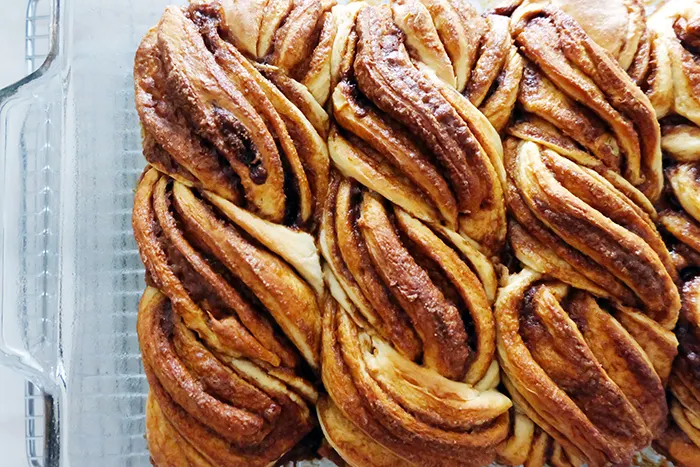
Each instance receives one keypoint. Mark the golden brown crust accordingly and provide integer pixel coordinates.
(179, 236)
(168, 128)
(473, 54)
(295, 39)
(576, 371)
(395, 148)
(205, 409)
(576, 81)
(584, 161)
(386, 76)
(232, 320)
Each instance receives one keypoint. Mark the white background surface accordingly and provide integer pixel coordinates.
(12, 68)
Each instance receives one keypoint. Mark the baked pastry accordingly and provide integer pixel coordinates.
(230, 326)
(408, 354)
(583, 228)
(674, 90)
(411, 144)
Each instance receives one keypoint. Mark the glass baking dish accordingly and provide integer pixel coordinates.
(71, 277)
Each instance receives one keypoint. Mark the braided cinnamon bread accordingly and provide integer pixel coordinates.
(408, 336)
(585, 329)
(230, 326)
(372, 134)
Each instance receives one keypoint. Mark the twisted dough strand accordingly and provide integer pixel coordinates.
(408, 340)
(674, 91)
(618, 26)
(569, 362)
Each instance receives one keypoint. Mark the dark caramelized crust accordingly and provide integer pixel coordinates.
(393, 145)
(232, 320)
(409, 341)
(230, 307)
(200, 259)
(168, 128)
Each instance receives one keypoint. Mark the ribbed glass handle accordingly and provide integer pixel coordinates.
(16, 103)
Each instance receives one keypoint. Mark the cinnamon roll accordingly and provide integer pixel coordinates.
(230, 325)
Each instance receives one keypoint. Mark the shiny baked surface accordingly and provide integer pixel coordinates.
(420, 234)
